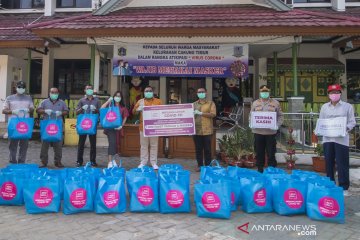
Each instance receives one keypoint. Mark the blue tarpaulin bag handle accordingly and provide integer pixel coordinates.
(51, 130)
(86, 123)
(42, 194)
(206, 169)
(110, 117)
(20, 128)
(174, 191)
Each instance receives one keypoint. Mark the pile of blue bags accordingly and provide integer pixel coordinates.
(222, 190)
(217, 193)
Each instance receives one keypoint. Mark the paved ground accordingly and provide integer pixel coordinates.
(16, 224)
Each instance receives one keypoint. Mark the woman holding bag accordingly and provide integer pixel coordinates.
(115, 134)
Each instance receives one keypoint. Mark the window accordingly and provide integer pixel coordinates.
(312, 1)
(22, 4)
(73, 3)
(35, 76)
(71, 76)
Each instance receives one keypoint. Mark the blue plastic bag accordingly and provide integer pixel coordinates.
(173, 166)
(325, 202)
(78, 194)
(25, 166)
(61, 174)
(114, 171)
(212, 169)
(143, 188)
(93, 173)
(289, 196)
(111, 195)
(110, 117)
(20, 128)
(86, 124)
(212, 200)
(51, 130)
(174, 191)
(42, 194)
(236, 172)
(256, 195)
(274, 170)
(12, 186)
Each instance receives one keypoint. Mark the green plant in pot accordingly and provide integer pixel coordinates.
(319, 160)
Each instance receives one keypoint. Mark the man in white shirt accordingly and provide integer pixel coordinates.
(336, 149)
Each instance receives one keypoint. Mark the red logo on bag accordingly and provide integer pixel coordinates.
(22, 127)
(328, 207)
(78, 198)
(86, 123)
(260, 197)
(8, 191)
(174, 198)
(43, 197)
(293, 198)
(111, 116)
(52, 129)
(145, 195)
(211, 201)
(111, 199)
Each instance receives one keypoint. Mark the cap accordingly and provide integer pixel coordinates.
(264, 88)
(21, 84)
(334, 87)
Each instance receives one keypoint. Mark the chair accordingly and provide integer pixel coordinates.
(232, 118)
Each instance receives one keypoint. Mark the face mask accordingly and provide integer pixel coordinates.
(89, 92)
(201, 95)
(264, 95)
(335, 97)
(117, 99)
(149, 94)
(54, 96)
(20, 90)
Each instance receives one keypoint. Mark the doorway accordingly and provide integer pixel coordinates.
(182, 89)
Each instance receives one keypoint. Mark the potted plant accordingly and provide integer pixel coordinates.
(319, 160)
(290, 150)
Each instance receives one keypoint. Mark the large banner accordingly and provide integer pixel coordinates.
(331, 127)
(193, 60)
(169, 120)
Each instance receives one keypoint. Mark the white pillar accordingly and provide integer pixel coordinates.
(162, 90)
(97, 71)
(50, 6)
(47, 80)
(209, 87)
(3, 81)
(338, 5)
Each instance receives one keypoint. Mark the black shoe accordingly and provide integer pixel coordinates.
(94, 164)
(59, 165)
(78, 164)
(43, 165)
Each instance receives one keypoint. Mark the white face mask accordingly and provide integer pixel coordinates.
(20, 90)
(117, 99)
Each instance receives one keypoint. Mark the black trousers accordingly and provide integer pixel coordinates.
(203, 148)
(339, 154)
(265, 143)
(81, 145)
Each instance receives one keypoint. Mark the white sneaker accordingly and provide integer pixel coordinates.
(112, 164)
(346, 193)
(141, 165)
(155, 167)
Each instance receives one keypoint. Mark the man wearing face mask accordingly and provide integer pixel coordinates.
(50, 107)
(87, 104)
(204, 111)
(148, 100)
(18, 104)
(265, 139)
(336, 149)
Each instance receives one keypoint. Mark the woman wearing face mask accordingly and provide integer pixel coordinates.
(114, 135)
(336, 149)
(204, 111)
(265, 139)
(145, 142)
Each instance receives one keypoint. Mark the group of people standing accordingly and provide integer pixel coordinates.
(336, 149)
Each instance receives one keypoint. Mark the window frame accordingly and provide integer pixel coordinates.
(74, 5)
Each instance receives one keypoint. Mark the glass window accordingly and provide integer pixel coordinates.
(22, 4)
(73, 3)
(71, 76)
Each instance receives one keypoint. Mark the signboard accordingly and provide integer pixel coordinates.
(263, 120)
(331, 127)
(169, 120)
(187, 60)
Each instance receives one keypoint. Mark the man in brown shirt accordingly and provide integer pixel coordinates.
(265, 139)
(148, 100)
(204, 111)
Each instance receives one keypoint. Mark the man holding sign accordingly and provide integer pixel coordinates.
(266, 118)
(337, 147)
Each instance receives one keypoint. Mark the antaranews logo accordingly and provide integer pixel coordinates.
(300, 229)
